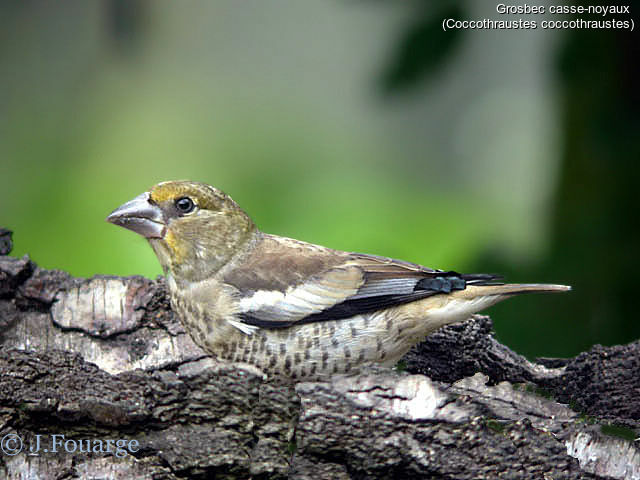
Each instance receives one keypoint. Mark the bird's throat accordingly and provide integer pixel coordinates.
(193, 259)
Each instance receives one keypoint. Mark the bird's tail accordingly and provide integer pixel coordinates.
(460, 304)
(440, 310)
(492, 280)
(481, 289)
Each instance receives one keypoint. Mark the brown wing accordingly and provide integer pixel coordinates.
(284, 282)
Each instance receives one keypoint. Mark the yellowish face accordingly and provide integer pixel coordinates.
(193, 228)
(205, 196)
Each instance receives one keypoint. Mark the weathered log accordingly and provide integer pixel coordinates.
(84, 361)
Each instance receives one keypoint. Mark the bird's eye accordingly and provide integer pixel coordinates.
(185, 205)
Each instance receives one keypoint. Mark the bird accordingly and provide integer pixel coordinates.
(293, 309)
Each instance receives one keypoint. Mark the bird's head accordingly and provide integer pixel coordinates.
(193, 228)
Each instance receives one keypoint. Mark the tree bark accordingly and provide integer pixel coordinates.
(84, 361)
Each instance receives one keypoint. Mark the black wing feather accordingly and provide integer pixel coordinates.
(441, 282)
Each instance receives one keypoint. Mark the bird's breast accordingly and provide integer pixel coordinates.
(209, 310)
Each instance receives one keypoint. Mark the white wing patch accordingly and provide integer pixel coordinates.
(243, 327)
(311, 297)
(261, 298)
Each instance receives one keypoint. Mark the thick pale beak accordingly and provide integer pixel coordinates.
(141, 216)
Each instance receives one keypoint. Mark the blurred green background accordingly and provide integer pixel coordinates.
(357, 125)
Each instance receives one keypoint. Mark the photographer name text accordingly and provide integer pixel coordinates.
(12, 444)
